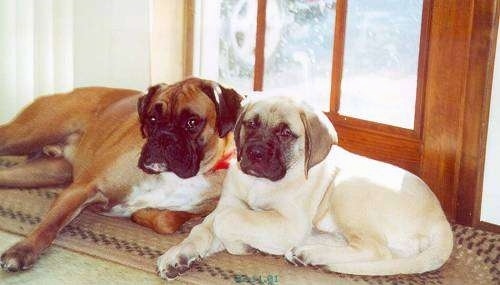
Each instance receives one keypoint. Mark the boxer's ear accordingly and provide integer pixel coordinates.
(143, 102)
(318, 139)
(227, 105)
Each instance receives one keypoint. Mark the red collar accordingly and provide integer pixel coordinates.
(224, 161)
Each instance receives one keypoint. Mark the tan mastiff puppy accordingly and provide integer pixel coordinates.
(294, 192)
(92, 139)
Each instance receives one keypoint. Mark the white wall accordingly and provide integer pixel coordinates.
(490, 206)
(111, 43)
(36, 51)
(167, 40)
(50, 46)
(128, 43)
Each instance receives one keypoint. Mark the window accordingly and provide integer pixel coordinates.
(298, 49)
(379, 78)
(352, 58)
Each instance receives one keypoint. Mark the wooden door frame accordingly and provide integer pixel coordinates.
(476, 114)
(460, 72)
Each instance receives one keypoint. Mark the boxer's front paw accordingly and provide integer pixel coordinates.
(19, 257)
(177, 260)
(296, 257)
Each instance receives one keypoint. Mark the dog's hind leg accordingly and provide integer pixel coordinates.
(47, 121)
(161, 221)
(41, 172)
(327, 249)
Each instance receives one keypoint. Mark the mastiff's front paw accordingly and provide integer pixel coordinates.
(296, 257)
(19, 257)
(177, 260)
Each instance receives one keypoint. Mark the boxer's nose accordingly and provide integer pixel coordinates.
(155, 167)
(151, 165)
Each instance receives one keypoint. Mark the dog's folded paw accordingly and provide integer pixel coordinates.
(295, 257)
(177, 260)
(19, 257)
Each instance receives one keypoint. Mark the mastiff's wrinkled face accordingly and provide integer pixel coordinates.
(186, 125)
(275, 134)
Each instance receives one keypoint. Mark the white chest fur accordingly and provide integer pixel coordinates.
(166, 191)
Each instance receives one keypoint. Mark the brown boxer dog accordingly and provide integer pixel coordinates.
(92, 139)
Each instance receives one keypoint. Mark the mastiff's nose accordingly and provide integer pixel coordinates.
(256, 153)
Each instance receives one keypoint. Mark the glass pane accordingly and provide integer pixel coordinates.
(237, 42)
(299, 45)
(379, 80)
(225, 41)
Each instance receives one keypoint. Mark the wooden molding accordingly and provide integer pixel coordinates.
(260, 43)
(476, 112)
(188, 56)
(448, 61)
(423, 59)
(401, 151)
(338, 54)
(488, 227)
(374, 127)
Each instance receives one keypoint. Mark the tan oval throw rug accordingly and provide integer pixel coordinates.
(475, 258)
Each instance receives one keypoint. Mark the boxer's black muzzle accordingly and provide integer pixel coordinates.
(170, 151)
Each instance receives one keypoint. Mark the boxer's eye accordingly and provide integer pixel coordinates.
(153, 119)
(192, 123)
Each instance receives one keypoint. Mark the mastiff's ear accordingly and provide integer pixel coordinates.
(318, 139)
(227, 105)
(237, 131)
(144, 101)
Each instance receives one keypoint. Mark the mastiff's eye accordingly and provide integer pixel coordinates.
(286, 133)
(192, 123)
(252, 124)
(153, 119)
